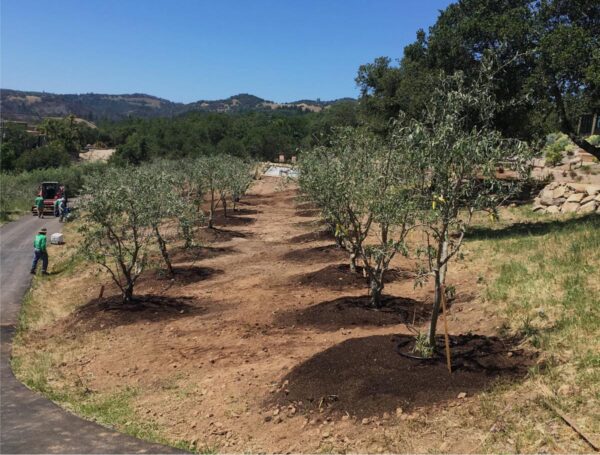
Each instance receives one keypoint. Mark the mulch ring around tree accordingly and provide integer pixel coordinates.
(325, 253)
(339, 277)
(109, 312)
(366, 377)
(348, 312)
(198, 252)
(182, 274)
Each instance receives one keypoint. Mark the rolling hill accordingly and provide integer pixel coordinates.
(34, 106)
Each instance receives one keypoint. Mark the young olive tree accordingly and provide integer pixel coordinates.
(116, 226)
(190, 191)
(361, 184)
(240, 179)
(455, 153)
(164, 203)
(212, 173)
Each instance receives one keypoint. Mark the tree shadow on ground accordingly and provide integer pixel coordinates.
(304, 205)
(110, 312)
(325, 253)
(230, 220)
(531, 228)
(210, 235)
(350, 312)
(339, 277)
(245, 211)
(310, 224)
(312, 237)
(308, 213)
(366, 377)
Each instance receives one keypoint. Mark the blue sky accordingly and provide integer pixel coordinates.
(186, 50)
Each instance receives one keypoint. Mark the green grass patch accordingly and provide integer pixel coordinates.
(545, 283)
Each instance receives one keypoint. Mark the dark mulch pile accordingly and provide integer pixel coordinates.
(312, 237)
(367, 376)
(195, 253)
(339, 277)
(109, 312)
(184, 274)
(325, 253)
(347, 312)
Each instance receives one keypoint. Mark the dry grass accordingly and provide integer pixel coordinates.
(538, 278)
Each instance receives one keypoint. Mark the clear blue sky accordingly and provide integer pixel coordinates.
(186, 50)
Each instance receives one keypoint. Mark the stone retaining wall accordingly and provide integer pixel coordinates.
(568, 198)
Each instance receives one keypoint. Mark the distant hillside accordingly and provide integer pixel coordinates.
(34, 106)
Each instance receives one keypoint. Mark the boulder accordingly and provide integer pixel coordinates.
(552, 209)
(558, 201)
(597, 198)
(577, 197)
(552, 185)
(592, 189)
(546, 197)
(590, 207)
(579, 187)
(559, 192)
(587, 199)
(537, 207)
(569, 207)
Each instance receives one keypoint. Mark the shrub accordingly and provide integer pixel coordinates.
(594, 140)
(553, 157)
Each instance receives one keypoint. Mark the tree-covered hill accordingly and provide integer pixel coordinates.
(34, 106)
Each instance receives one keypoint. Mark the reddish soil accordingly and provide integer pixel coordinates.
(265, 301)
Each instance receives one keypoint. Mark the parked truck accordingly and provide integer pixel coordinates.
(50, 191)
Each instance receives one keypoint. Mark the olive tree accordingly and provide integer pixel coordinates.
(240, 179)
(164, 202)
(117, 226)
(211, 170)
(361, 184)
(455, 155)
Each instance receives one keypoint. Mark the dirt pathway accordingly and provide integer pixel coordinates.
(274, 349)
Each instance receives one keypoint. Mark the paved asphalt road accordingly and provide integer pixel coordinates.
(29, 423)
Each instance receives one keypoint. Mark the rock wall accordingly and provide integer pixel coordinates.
(568, 198)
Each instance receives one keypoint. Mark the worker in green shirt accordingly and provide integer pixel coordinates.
(40, 252)
(56, 206)
(39, 203)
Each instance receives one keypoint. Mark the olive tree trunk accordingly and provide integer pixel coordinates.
(439, 281)
(162, 245)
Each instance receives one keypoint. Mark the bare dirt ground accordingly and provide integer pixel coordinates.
(263, 343)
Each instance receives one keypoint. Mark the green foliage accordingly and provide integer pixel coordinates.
(254, 135)
(553, 157)
(135, 151)
(47, 156)
(117, 225)
(455, 153)
(17, 191)
(360, 184)
(548, 72)
(594, 140)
